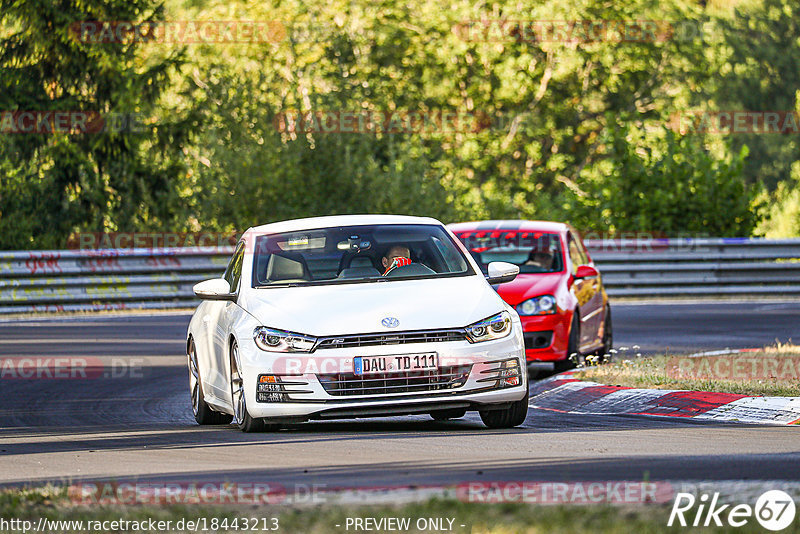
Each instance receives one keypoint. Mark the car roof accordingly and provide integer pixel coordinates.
(337, 220)
(527, 226)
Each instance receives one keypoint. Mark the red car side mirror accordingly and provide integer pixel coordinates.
(586, 271)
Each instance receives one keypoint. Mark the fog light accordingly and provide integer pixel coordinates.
(503, 373)
(510, 373)
(269, 389)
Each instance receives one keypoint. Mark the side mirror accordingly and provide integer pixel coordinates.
(214, 289)
(586, 271)
(501, 272)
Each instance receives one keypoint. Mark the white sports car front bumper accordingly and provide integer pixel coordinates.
(321, 384)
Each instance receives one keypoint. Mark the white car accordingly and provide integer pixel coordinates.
(355, 316)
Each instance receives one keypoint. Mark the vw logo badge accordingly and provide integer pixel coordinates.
(390, 322)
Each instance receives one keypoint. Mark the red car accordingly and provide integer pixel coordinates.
(558, 294)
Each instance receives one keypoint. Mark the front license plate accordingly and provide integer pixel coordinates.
(369, 365)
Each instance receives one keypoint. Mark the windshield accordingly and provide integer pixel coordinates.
(533, 252)
(351, 254)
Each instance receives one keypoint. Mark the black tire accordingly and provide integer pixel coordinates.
(604, 353)
(444, 415)
(241, 416)
(202, 412)
(509, 418)
(252, 425)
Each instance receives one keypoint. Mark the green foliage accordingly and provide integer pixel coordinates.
(252, 173)
(573, 131)
(54, 184)
(758, 71)
(783, 216)
(671, 184)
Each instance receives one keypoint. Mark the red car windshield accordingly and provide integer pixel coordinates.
(533, 252)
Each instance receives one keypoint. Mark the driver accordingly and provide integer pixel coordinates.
(542, 259)
(396, 256)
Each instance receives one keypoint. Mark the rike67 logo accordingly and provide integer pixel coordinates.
(774, 510)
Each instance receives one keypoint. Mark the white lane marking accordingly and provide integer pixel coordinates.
(772, 410)
(750, 410)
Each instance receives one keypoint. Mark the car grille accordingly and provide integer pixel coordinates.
(538, 340)
(347, 384)
(395, 338)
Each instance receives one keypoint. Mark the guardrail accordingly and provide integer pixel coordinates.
(105, 279)
(698, 267)
(74, 280)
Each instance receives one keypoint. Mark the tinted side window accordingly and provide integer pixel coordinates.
(582, 249)
(575, 254)
(234, 271)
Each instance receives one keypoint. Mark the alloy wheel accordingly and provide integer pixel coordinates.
(237, 388)
(194, 380)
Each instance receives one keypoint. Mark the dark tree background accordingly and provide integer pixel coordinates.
(576, 131)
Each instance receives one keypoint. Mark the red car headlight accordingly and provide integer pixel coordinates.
(543, 305)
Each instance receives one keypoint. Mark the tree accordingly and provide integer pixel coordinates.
(54, 184)
(672, 186)
(756, 65)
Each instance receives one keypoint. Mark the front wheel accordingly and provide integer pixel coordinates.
(202, 412)
(241, 417)
(509, 418)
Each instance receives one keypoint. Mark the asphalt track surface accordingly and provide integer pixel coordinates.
(133, 421)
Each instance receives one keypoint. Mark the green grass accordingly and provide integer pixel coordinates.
(706, 374)
(53, 503)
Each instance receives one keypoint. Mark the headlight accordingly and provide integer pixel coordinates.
(493, 327)
(544, 305)
(273, 340)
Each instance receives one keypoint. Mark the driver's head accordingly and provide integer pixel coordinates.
(397, 251)
(543, 259)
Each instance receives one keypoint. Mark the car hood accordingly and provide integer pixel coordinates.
(340, 309)
(526, 286)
